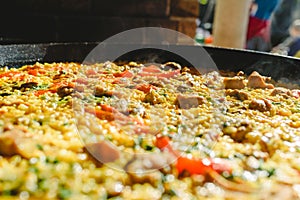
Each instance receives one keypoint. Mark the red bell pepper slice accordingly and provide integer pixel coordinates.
(42, 92)
(124, 74)
(107, 108)
(202, 166)
(151, 69)
(101, 114)
(36, 72)
(192, 165)
(10, 74)
(162, 142)
(146, 87)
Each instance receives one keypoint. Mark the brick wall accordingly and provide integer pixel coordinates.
(34, 21)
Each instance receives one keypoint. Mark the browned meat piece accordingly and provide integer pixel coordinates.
(281, 91)
(240, 95)
(150, 161)
(62, 74)
(100, 92)
(255, 80)
(182, 88)
(238, 130)
(260, 104)
(64, 91)
(189, 101)
(16, 142)
(103, 151)
(236, 82)
(143, 167)
(28, 85)
(8, 144)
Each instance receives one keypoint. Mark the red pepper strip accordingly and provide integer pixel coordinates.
(146, 87)
(124, 74)
(203, 166)
(101, 114)
(151, 69)
(36, 72)
(10, 74)
(33, 72)
(163, 143)
(106, 113)
(118, 80)
(41, 92)
(107, 108)
(193, 166)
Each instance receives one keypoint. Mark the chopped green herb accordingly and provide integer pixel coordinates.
(39, 147)
(271, 172)
(64, 193)
(33, 169)
(276, 103)
(41, 87)
(148, 147)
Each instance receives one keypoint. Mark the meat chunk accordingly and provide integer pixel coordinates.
(141, 169)
(255, 80)
(189, 101)
(236, 82)
(144, 167)
(240, 95)
(103, 151)
(261, 105)
(184, 87)
(150, 161)
(238, 130)
(100, 92)
(281, 91)
(16, 142)
(28, 85)
(65, 91)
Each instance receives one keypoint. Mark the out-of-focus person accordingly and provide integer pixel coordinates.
(291, 45)
(258, 34)
(286, 12)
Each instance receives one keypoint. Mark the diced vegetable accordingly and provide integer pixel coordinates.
(146, 87)
(151, 69)
(124, 74)
(41, 92)
(202, 166)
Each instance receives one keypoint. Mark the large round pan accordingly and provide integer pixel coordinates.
(275, 66)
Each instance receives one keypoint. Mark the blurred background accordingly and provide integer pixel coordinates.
(43, 21)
